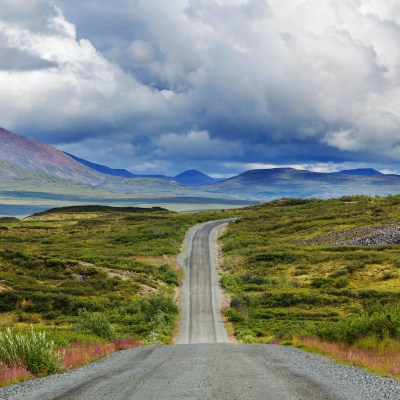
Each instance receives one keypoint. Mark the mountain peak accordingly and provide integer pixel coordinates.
(361, 172)
(193, 177)
(192, 173)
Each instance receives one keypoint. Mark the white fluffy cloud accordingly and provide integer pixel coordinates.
(80, 84)
(196, 144)
(235, 74)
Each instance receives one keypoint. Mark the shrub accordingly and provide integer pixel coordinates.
(167, 274)
(94, 322)
(8, 301)
(158, 314)
(235, 315)
(31, 348)
(378, 324)
(231, 282)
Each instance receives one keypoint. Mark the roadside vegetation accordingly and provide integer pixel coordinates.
(290, 283)
(93, 281)
(87, 282)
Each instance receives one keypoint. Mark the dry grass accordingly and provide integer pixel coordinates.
(385, 359)
(81, 354)
(15, 374)
(75, 356)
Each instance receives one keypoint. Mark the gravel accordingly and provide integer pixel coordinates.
(364, 236)
(210, 371)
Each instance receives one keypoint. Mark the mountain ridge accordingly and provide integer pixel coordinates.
(28, 166)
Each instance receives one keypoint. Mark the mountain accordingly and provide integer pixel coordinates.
(112, 171)
(190, 178)
(33, 156)
(37, 156)
(361, 172)
(35, 174)
(102, 168)
(195, 178)
(263, 184)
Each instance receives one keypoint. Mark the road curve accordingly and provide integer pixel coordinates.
(201, 296)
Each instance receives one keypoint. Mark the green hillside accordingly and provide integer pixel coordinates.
(117, 262)
(286, 274)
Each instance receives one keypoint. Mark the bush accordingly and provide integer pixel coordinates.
(94, 322)
(378, 324)
(32, 348)
(167, 274)
(8, 301)
(158, 313)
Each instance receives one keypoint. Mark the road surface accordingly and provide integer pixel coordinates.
(203, 365)
(201, 296)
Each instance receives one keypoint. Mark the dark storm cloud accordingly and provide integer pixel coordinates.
(164, 85)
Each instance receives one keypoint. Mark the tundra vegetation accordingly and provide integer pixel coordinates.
(77, 284)
(92, 281)
(289, 280)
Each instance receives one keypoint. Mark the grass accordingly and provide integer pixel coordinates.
(32, 350)
(74, 355)
(78, 354)
(382, 357)
(54, 265)
(285, 279)
(82, 278)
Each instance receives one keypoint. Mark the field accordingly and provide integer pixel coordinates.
(98, 277)
(120, 263)
(288, 280)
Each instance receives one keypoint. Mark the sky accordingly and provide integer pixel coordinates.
(218, 85)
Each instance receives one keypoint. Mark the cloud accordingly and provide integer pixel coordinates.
(248, 81)
(78, 87)
(195, 144)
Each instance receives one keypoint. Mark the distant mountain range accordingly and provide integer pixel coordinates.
(35, 174)
(186, 178)
(288, 182)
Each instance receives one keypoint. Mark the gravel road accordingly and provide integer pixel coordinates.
(201, 296)
(215, 369)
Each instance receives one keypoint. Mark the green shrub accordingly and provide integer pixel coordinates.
(378, 324)
(8, 300)
(94, 322)
(32, 348)
(167, 274)
(235, 315)
(157, 313)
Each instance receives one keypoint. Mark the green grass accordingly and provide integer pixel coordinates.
(284, 277)
(57, 264)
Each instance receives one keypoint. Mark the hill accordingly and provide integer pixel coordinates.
(314, 271)
(361, 172)
(100, 209)
(103, 169)
(34, 174)
(33, 158)
(33, 155)
(263, 184)
(195, 178)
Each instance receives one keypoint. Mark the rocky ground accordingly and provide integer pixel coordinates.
(364, 236)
